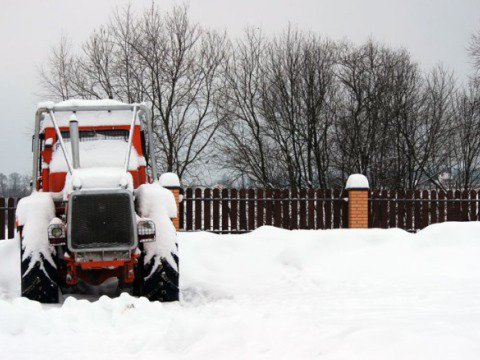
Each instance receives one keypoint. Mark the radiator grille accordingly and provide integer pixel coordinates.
(101, 221)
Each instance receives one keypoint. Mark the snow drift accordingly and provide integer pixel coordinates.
(276, 294)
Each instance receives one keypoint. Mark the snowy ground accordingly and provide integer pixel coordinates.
(274, 294)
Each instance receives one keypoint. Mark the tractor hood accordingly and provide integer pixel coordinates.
(96, 179)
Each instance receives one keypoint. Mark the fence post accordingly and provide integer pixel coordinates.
(357, 187)
(171, 182)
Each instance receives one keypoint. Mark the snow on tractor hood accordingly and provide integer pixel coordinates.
(97, 178)
(97, 153)
(89, 118)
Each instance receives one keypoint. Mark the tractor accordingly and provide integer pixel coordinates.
(97, 210)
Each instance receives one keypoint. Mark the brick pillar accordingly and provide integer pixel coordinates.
(176, 193)
(171, 182)
(358, 188)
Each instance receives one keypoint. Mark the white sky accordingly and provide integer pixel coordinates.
(433, 31)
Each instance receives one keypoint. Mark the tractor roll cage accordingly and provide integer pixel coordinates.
(51, 108)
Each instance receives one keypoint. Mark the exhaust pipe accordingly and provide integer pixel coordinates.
(75, 140)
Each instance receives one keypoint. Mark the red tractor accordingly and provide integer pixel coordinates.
(97, 210)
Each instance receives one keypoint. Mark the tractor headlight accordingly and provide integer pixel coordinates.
(146, 231)
(57, 234)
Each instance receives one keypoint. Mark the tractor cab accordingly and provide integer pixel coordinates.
(103, 140)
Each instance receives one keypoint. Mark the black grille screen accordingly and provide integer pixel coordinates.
(101, 221)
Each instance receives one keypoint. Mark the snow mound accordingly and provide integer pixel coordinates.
(169, 180)
(357, 181)
(278, 294)
(158, 204)
(95, 154)
(34, 213)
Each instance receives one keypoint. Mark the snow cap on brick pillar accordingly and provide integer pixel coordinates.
(171, 182)
(358, 187)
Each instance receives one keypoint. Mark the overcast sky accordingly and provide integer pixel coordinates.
(434, 31)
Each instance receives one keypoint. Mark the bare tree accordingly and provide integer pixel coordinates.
(474, 51)
(244, 148)
(56, 77)
(159, 57)
(465, 138)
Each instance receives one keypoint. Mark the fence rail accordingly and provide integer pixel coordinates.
(242, 210)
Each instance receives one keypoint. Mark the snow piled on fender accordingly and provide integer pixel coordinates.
(278, 294)
(158, 204)
(34, 213)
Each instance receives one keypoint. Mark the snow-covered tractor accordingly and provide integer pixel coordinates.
(97, 211)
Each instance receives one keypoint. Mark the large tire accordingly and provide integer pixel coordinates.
(162, 285)
(40, 283)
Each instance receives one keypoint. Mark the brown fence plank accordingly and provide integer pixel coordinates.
(294, 207)
(441, 206)
(336, 208)
(251, 209)
(277, 208)
(433, 207)
(234, 210)
(207, 193)
(375, 211)
(417, 210)
(260, 207)
(401, 209)
(311, 209)
(464, 205)
(384, 209)
(216, 209)
(328, 209)
(3, 216)
(425, 221)
(450, 207)
(225, 211)
(457, 215)
(198, 209)
(344, 205)
(302, 206)
(242, 209)
(181, 214)
(319, 209)
(11, 217)
(472, 216)
(286, 208)
(189, 206)
(409, 211)
(268, 207)
(392, 209)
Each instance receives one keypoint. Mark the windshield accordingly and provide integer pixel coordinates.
(89, 135)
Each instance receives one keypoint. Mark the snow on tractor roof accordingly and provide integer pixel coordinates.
(97, 153)
(88, 118)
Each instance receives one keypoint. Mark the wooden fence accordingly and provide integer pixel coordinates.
(238, 211)
(414, 210)
(7, 217)
(243, 210)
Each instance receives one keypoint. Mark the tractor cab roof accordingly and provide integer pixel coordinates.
(89, 113)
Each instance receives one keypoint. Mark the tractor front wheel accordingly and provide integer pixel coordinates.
(39, 279)
(161, 285)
